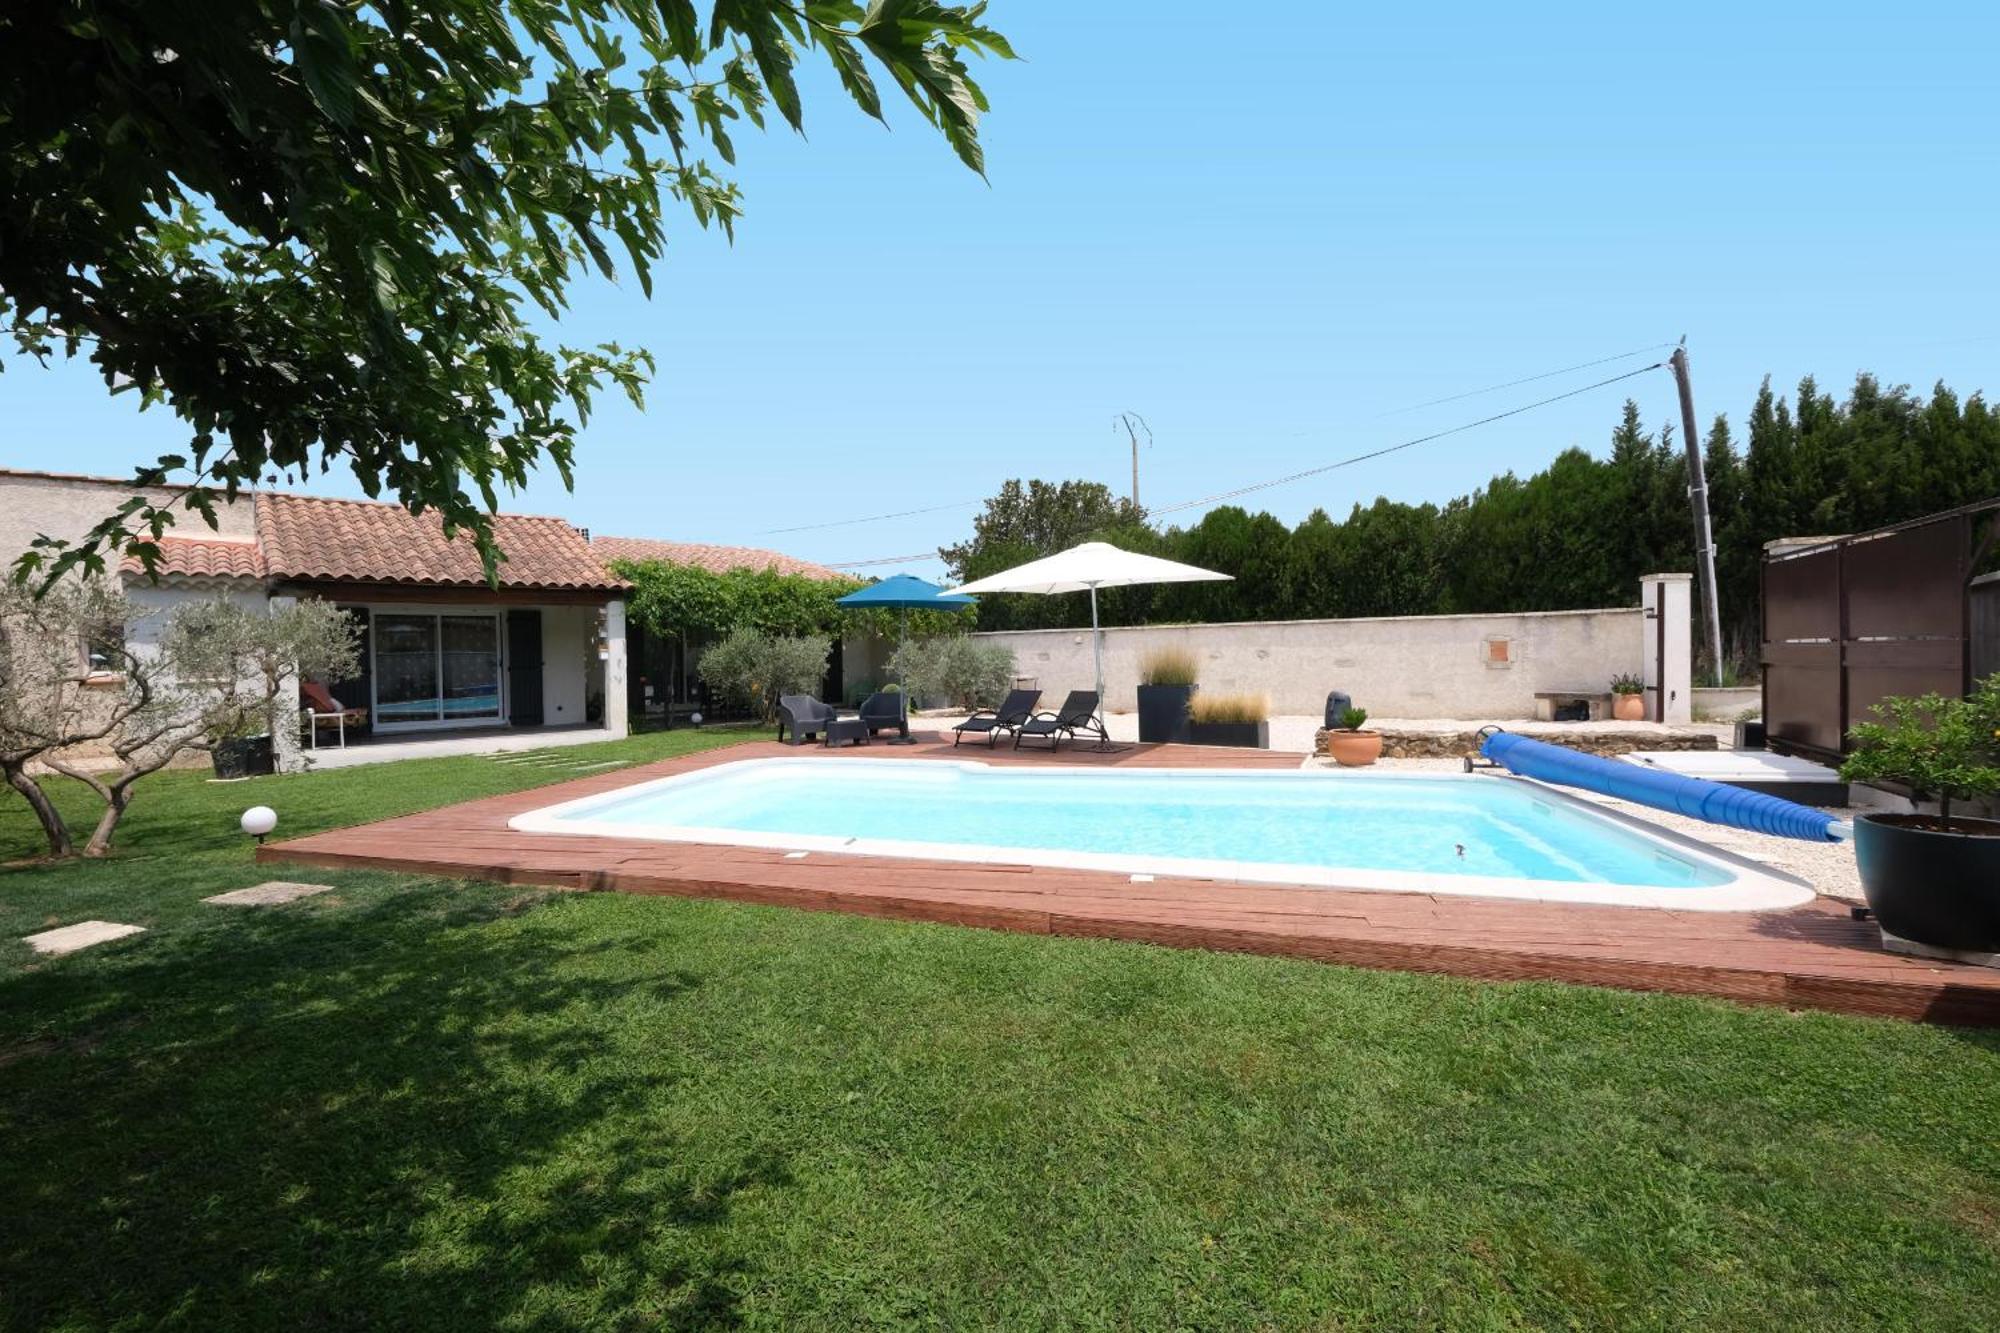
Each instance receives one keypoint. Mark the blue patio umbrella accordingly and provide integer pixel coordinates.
(905, 593)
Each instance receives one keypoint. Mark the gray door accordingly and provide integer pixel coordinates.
(524, 668)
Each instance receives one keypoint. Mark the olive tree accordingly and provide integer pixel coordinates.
(81, 697)
(754, 669)
(955, 668)
(319, 230)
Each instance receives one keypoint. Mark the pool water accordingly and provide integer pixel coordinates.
(1481, 834)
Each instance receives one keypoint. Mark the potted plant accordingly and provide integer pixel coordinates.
(1230, 719)
(1166, 688)
(239, 753)
(1933, 880)
(1350, 746)
(1628, 697)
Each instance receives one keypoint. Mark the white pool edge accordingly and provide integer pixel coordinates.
(1754, 886)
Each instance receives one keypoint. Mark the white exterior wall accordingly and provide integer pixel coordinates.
(151, 605)
(568, 634)
(1400, 666)
(615, 703)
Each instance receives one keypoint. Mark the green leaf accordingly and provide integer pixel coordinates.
(325, 59)
(315, 230)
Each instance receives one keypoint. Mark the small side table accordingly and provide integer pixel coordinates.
(844, 729)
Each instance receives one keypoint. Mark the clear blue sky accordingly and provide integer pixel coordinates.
(1267, 233)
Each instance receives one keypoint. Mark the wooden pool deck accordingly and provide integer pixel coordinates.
(1810, 957)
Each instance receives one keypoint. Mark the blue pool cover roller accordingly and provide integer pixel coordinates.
(1673, 792)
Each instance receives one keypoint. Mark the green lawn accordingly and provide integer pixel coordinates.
(420, 1104)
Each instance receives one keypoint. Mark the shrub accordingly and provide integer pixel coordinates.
(1352, 719)
(954, 668)
(1942, 749)
(1169, 666)
(1230, 707)
(751, 668)
(1627, 683)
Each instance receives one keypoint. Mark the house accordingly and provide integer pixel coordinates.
(442, 649)
(443, 652)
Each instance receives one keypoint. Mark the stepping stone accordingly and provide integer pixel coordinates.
(268, 894)
(68, 939)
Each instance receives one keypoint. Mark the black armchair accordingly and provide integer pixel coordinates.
(886, 711)
(803, 716)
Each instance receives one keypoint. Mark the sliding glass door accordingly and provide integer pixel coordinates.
(469, 657)
(406, 669)
(436, 667)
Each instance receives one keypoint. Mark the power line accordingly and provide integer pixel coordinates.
(883, 560)
(1452, 398)
(1296, 476)
(872, 518)
(1530, 379)
(1317, 471)
(1397, 448)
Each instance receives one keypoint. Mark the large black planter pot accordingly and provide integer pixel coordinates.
(1163, 713)
(244, 757)
(1250, 735)
(1939, 889)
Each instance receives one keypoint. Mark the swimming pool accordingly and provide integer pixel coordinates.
(1444, 833)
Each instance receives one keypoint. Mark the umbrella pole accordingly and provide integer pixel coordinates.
(903, 677)
(1097, 660)
(1096, 646)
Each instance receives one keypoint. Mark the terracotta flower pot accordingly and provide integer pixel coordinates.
(1354, 749)
(1628, 707)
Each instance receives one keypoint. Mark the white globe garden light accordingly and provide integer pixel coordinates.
(259, 820)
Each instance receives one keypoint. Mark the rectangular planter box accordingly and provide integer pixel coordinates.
(244, 757)
(1249, 735)
(1163, 714)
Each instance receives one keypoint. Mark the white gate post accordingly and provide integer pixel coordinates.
(1668, 650)
(615, 720)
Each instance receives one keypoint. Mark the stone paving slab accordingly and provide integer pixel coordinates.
(268, 894)
(68, 939)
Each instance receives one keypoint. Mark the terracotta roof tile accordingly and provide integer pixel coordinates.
(203, 558)
(361, 541)
(716, 559)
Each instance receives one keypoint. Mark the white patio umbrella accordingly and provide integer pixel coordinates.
(1089, 567)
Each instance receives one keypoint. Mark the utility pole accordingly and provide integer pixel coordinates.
(1128, 420)
(1704, 537)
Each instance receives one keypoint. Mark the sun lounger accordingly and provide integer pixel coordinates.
(322, 709)
(1018, 706)
(1078, 713)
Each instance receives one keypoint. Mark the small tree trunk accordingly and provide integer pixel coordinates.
(107, 823)
(53, 827)
(1944, 811)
